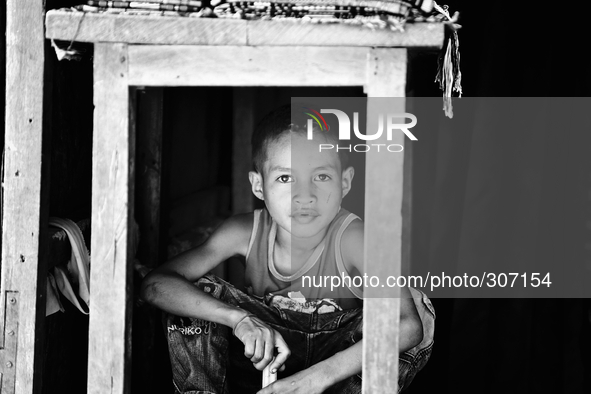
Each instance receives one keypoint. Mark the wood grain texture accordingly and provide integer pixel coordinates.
(112, 213)
(308, 34)
(176, 65)
(23, 265)
(136, 29)
(383, 225)
(407, 192)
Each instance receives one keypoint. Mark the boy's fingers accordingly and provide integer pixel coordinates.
(283, 353)
(259, 351)
(249, 348)
(269, 350)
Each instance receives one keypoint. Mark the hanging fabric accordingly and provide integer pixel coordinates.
(78, 267)
(449, 76)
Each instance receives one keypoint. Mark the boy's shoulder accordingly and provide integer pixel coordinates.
(233, 233)
(352, 245)
(239, 225)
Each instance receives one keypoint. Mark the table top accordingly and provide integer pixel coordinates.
(169, 30)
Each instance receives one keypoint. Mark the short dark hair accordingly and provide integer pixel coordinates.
(287, 118)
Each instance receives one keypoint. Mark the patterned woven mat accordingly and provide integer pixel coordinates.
(337, 10)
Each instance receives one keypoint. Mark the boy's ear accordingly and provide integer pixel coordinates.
(347, 179)
(256, 181)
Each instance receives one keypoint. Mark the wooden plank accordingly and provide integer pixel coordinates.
(112, 213)
(407, 189)
(149, 165)
(24, 220)
(383, 226)
(313, 34)
(137, 29)
(246, 66)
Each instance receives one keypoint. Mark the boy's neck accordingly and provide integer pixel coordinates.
(296, 245)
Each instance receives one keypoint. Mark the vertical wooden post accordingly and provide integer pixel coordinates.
(112, 215)
(407, 189)
(383, 227)
(149, 165)
(22, 296)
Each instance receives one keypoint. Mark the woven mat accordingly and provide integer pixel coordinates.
(336, 10)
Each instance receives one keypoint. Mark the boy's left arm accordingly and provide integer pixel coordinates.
(348, 362)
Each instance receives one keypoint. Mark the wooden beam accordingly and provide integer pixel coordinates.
(138, 29)
(407, 191)
(24, 221)
(112, 215)
(176, 65)
(149, 165)
(314, 34)
(383, 225)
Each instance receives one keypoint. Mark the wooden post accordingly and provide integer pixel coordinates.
(386, 77)
(22, 296)
(112, 215)
(407, 190)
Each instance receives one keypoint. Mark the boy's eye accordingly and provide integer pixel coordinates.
(284, 178)
(323, 177)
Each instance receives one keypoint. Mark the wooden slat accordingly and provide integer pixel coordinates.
(149, 164)
(383, 227)
(407, 190)
(136, 29)
(24, 209)
(308, 34)
(112, 212)
(246, 66)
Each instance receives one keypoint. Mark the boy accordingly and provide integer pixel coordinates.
(312, 334)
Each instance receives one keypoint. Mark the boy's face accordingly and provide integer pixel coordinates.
(302, 187)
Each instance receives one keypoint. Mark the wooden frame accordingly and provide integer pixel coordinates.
(189, 52)
(24, 227)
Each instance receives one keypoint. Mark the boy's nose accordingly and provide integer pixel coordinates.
(304, 200)
(304, 195)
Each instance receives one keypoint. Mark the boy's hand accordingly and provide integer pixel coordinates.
(308, 381)
(260, 342)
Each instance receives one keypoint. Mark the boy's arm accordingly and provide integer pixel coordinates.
(170, 287)
(317, 378)
(411, 328)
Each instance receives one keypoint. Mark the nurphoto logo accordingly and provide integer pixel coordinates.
(389, 122)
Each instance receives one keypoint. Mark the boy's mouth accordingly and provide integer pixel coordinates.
(304, 213)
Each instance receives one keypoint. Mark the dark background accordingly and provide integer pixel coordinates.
(479, 193)
(483, 194)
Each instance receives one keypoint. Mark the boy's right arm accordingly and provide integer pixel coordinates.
(170, 287)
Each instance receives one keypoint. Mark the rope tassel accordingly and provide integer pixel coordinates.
(449, 75)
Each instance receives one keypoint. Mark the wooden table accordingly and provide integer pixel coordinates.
(134, 51)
